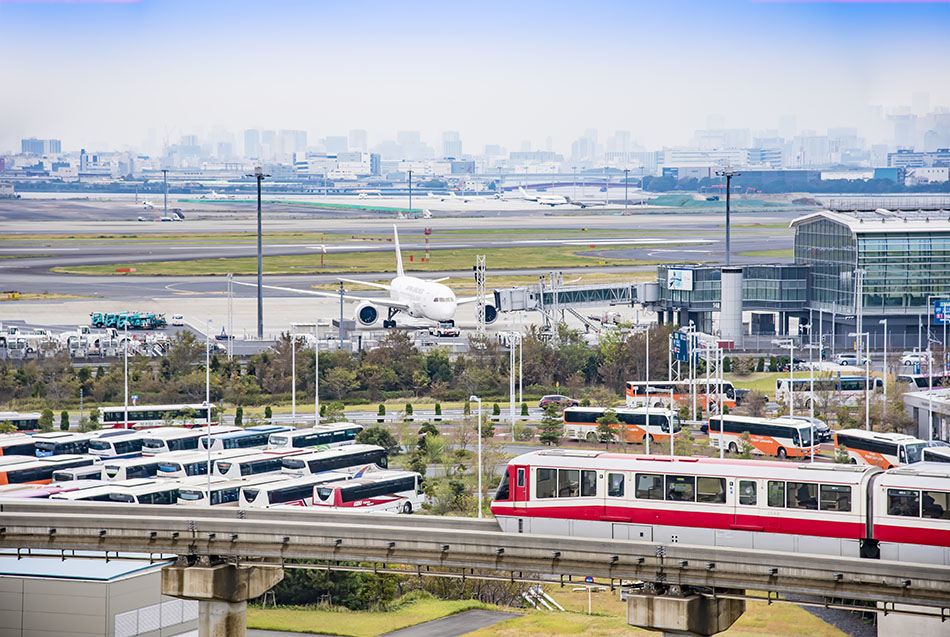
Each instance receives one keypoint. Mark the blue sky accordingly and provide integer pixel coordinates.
(107, 72)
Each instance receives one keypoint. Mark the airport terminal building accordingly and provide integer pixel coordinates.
(850, 266)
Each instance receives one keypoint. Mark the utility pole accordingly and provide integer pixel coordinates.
(340, 339)
(165, 182)
(410, 192)
(626, 175)
(259, 175)
(728, 173)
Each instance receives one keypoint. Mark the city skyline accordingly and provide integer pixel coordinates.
(102, 75)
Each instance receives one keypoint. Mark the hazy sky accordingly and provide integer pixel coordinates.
(499, 72)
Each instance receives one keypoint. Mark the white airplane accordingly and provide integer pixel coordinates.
(364, 194)
(148, 205)
(215, 195)
(419, 298)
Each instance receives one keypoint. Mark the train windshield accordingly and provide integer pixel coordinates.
(502, 493)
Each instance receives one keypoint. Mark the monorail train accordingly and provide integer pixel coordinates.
(834, 509)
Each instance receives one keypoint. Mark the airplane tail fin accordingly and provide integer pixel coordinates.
(399, 271)
(522, 192)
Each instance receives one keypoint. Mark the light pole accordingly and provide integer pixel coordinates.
(165, 187)
(646, 388)
(728, 173)
(574, 191)
(410, 193)
(126, 356)
(208, 401)
(884, 323)
(867, 375)
(626, 175)
(316, 374)
(479, 433)
(293, 372)
(259, 176)
(511, 380)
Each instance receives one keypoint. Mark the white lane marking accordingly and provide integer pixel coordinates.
(607, 242)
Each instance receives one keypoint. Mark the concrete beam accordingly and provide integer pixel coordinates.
(690, 615)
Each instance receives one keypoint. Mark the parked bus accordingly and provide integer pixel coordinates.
(165, 439)
(57, 443)
(130, 468)
(155, 492)
(101, 492)
(44, 491)
(91, 472)
(847, 389)
(383, 492)
(295, 491)
(769, 436)
(185, 464)
(17, 445)
(884, 450)
(659, 393)
(223, 491)
(253, 464)
(147, 416)
(23, 422)
(936, 454)
(923, 381)
(335, 435)
(249, 438)
(349, 459)
(124, 445)
(20, 469)
(580, 423)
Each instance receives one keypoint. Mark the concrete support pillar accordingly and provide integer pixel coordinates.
(730, 307)
(222, 592)
(690, 615)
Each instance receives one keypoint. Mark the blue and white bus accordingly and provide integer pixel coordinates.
(249, 438)
(57, 443)
(335, 435)
(296, 491)
(148, 416)
(185, 464)
(126, 444)
(349, 459)
(165, 439)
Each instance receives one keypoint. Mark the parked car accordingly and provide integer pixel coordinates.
(559, 400)
(178, 319)
(851, 360)
(915, 358)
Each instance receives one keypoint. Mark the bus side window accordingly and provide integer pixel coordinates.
(747, 493)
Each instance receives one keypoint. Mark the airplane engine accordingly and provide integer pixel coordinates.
(491, 314)
(367, 314)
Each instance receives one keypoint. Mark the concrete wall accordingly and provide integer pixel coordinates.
(124, 607)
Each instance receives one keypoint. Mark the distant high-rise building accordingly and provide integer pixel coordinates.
(224, 149)
(336, 144)
(787, 126)
(34, 146)
(374, 163)
(269, 144)
(188, 140)
(252, 143)
(920, 102)
(358, 140)
(451, 144)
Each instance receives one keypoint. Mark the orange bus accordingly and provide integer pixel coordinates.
(580, 423)
(769, 436)
(658, 393)
(884, 450)
(26, 470)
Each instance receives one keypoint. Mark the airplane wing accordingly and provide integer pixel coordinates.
(335, 295)
(466, 300)
(381, 286)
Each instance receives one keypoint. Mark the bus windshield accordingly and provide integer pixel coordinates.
(915, 451)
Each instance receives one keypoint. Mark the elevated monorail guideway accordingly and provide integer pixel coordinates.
(446, 545)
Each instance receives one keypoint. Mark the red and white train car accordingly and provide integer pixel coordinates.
(777, 506)
(911, 513)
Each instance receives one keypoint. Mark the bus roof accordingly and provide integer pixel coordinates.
(624, 410)
(62, 436)
(103, 488)
(332, 452)
(218, 483)
(121, 408)
(878, 435)
(14, 439)
(788, 422)
(257, 429)
(9, 415)
(376, 476)
(939, 451)
(329, 476)
(170, 433)
(922, 469)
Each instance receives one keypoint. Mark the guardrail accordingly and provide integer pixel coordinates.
(446, 545)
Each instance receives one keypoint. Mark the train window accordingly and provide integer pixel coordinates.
(835, 497)
(776, 493)
(520, 477)
(681, 488)
(747, 494)
(546, 483)
(711, 490)
(568, 483)
(588, 483)
(904, 502)
(802, 495)
(615, 485)
(649, 486)
(936, 504)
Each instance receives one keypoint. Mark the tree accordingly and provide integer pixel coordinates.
(841, 455)
(379, 436)
(606, 426)
(726, 364)
(495, 410)
(239, 416)
(94, 418)
(268, 412)
(467, 409)
(755, 403)
(64, 420)
(438, 411)
(524, 409)
(46, 419)
(745, 445)
(7, 427)
(551, 428)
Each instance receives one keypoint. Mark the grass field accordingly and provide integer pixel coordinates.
(785, 253)
(758, 381)
(467, 285)
(22, 256)
(44, 296)
(382, 261)
(357, 624)
(608, 620)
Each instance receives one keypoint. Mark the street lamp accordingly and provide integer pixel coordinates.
(884, 323)
(790, 344)
(126, 356)
(728, 173)
(259, 176)
(479, 400)
(207, 404)
(867, 375)
(626, 175)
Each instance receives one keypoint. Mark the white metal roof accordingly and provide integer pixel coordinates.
(881, 220)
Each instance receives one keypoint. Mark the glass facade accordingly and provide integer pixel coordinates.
(901, 268)
(764, 287)
(831, 251)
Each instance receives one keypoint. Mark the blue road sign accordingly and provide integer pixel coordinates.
(680, 346)
(942, 311)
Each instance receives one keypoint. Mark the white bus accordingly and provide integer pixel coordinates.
(224, 492)
(384, 492)
(147, 416)
(102, 492)
(349, 459)
(295, 491)
(117, 469)
(23, 422)
(770, 436)
(124, 445)
(335, 435)
(936, 454)
(249, 438)
(165, 439)
(580, 423)
(155, 492)
(57, 443)
(253, 464)
(848, 389)
(185, 464)
(884, 450)
(89, 473)
(707, 396)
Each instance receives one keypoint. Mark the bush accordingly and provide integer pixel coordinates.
(773, 364)
(841, 455)
(488, 428)
(239, 416)
(46, 420)
(522, 432)
(743, 366)
(760, 365)
(379, 436)
(495, 410)
(382, 410)
(269, 413)
(94, 415)
(438, 411)
(726, 364)
(467, 409)
(408, 409)
(551, 426)
(585, 402)
(64, 420)
(524, 409)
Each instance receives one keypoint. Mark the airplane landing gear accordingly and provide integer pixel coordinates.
(388, 322)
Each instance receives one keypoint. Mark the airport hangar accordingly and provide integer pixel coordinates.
(897, 262)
